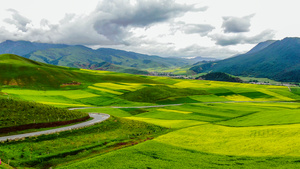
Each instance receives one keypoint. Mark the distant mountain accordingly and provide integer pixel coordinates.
(279, 60)
(201, 59)
(83, 57)
(24, 47)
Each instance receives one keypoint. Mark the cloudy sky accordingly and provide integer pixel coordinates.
(181, 28)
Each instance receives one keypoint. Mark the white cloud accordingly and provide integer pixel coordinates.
(18, 20)
(201, 29)
(160, 27)
(227, 40)
(236, 25)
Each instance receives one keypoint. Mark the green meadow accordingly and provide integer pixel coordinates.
(16, 113)
(190, 124)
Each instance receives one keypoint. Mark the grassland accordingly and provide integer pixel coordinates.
(48, 150)
(201, 139)
(153, 154)
(218, 125)
(16, 113)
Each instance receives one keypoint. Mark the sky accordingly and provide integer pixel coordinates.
(167, 28)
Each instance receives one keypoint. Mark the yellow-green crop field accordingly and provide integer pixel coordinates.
(208, 124)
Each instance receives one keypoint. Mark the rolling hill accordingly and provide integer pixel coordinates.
(23, 72)
(279, 60)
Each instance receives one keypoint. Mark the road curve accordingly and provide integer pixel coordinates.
(97, 118)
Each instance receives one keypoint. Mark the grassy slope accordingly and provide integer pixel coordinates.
(23, 72)
(53, 149)
(203, 143)
(198, 144)
(153, 154)
(15, 113)
(189, 120)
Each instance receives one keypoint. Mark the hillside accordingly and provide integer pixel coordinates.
(16, 113)
(219, 76)
(25, 47)
(83, 57)
(279, 61)
(261, 46)
(22, 72)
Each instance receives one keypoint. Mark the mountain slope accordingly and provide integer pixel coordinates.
(261, 46)
(83, 57)
(279, 61)
(25, 47)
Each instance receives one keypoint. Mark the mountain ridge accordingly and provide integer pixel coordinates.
(84, 57)
(275, 61)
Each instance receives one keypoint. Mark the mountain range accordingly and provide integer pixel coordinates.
(278, 60)
(83, 57)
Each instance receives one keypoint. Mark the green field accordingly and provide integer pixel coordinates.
(54, 149)
(207, 136)
(16, 113)
(214, 125)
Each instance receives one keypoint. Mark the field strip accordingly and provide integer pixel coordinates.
(97, 119)
(180, 104)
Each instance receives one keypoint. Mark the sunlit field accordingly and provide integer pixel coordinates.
(197, 124)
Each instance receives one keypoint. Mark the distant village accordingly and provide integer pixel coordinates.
(171, 75)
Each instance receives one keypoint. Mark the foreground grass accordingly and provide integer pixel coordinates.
(153, 154)
(202, 141)
(16, 113)
(281, 140)
(50, 150)
(5, 166)
(200, 135)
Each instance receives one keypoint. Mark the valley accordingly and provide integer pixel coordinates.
(149, 84)
(156, 122)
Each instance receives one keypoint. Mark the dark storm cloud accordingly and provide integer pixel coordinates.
(115, 18)
(201, 29)
(226, 40)
(18, 20)
(236, 25)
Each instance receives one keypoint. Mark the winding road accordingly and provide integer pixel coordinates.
(97, 118)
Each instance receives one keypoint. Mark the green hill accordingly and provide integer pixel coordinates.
(19, 71)
(219, 76)
(279, 61)
(22, 72)
(16, 113)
